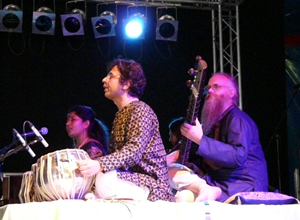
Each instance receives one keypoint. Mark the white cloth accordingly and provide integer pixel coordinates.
(181, 176)
(132, 210)
(108, 185)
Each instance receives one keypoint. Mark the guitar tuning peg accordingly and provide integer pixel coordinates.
(189, 83)
(192, 71)
(198, 57)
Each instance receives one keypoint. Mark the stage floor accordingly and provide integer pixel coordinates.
(108, 209)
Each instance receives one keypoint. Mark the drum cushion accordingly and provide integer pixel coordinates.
(267, 198)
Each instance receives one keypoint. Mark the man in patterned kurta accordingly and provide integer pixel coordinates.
(136, 155)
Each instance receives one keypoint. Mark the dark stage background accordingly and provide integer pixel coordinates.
(40, 83)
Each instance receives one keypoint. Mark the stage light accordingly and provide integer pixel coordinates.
(11, 19)
(43, 21)
(166, 28)
(134, 26)
(104, 25)
(72, 24)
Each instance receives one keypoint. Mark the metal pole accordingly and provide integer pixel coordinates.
(214, 40)
(220, 37)
(238, 56)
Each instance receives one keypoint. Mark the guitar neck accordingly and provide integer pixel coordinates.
(186, 143)
(193, 110)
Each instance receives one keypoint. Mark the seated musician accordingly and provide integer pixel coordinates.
(227, 141)
(136, 165)
(88, 133)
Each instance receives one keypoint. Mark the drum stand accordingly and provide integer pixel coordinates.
(4, 183)
(5, 152)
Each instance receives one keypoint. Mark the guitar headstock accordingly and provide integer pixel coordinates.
(197, 72)
(202, 65)
(199, 67)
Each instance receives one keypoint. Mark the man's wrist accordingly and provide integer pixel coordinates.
(100, 166)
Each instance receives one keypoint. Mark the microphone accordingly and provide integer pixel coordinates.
(43, 131)
(23, 142)
(38, 134)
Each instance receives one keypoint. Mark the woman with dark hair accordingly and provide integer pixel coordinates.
(175, 134)
(136, 165)
(88, 133)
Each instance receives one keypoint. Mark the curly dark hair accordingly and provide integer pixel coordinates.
(132, 72)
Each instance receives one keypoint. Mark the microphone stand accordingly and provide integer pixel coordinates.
(6, 148)
(277, 136)
(5, 152)
(8, 152)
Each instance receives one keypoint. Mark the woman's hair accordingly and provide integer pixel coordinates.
(174, 126)
(97, 129)
(132, 72)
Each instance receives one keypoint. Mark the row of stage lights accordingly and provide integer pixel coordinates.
(43, 22)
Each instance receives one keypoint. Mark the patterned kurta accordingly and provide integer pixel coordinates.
(137, 151)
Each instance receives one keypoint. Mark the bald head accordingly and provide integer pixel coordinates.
(224, 79)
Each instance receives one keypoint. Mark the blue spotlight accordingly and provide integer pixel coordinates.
(134, 27)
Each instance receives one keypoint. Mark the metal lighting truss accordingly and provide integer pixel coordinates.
(225, 29)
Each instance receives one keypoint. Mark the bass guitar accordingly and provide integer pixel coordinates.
(197, 89)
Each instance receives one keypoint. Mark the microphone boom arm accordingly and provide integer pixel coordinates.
(14, 150)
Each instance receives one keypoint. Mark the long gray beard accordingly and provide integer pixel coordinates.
(211, 112)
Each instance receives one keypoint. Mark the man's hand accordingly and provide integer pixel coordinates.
(172, 157)
(192, 132)
(89, 167)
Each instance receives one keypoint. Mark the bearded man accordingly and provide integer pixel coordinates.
(226, 142)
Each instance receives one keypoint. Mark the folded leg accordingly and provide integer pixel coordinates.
(182, 179)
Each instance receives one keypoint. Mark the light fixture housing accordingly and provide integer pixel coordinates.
(166, 28)
(104, 24)
(134, 26)
(72, 24)
(43, 21)
(11, 19)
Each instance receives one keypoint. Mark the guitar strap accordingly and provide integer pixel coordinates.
(217, 130)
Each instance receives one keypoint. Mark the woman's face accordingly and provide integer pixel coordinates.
(75, 126)
(173, 138)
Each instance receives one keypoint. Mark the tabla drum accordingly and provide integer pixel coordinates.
(36, 196)
(57, 176)
(26, 190)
